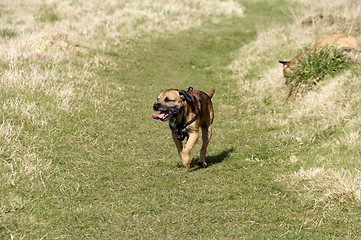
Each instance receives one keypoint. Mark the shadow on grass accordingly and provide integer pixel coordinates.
(211, 160)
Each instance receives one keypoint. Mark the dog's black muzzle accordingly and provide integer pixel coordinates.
(159, 107)
(156, 106)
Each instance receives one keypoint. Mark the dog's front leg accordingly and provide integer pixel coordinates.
(185, 153)
(177, 142)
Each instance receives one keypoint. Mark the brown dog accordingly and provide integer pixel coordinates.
(186, 112)
(337, 40)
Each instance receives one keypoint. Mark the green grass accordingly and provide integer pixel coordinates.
(7, 33)
(46, 16)
(83, 159)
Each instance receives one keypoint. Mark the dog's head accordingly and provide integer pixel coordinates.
(170, 102)
(286, 67)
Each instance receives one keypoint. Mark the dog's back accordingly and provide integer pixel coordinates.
(205, 106)
(338, 40)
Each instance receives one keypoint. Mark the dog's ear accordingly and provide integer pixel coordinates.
(185, 97)
(284, 62)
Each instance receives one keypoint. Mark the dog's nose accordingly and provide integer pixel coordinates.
(156, 106)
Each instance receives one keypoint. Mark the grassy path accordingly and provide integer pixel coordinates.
(116, 174)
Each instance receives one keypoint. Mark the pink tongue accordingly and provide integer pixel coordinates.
(156, 116)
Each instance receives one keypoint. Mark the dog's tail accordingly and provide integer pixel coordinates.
(211, 92)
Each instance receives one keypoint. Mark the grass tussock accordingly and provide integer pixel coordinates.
(48, 43)
(314, 66)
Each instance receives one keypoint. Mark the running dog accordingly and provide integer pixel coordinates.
(187, 111)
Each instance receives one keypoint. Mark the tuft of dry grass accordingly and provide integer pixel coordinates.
(48, 43)
(330, 100)
(19, 160)
(326, 185)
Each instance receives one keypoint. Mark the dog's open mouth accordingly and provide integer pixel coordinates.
(163, 115)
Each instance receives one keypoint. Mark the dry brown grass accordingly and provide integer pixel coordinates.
(328, 3)
(124, 20)
(325, 186)
(48, 43)
(21, 161)
(119, 21)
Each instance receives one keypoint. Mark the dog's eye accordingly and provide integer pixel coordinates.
(168, 100)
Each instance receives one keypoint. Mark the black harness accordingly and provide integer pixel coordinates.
(182, 133)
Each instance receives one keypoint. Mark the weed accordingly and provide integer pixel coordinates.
(8, 33)
(46, 16)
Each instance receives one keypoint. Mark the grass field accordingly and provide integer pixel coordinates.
(82, 158)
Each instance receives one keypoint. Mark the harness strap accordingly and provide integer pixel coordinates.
(182, 134)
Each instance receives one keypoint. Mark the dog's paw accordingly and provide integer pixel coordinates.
(202, 164)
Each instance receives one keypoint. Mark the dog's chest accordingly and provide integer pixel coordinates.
(173, 125)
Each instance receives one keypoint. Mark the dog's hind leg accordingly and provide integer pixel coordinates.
(206, 137)
(185, 154)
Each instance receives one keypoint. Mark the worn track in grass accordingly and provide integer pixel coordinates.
(115, 174)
